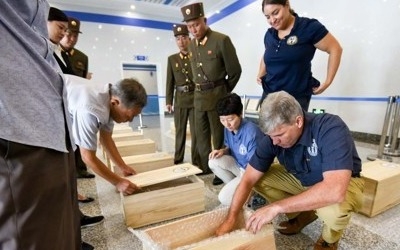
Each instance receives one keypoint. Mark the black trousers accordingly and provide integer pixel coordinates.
(38, 201)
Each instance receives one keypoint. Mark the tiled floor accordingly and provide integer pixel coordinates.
(380, 232)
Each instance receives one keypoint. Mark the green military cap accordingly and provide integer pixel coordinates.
(192, 11)
(180, 29)
(74, 25)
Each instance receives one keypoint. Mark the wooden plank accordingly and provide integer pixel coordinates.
(164, 174)
(127, 136)
(164, 201)
(122, 130)
(198, 232)
(239, 239)
(149, 162)
(380, 170)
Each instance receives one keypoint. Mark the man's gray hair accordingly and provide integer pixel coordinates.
(277, 109)
(130, 92)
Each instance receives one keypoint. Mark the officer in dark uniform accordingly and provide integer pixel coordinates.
(79, 60)
(179, 94)
(216, 71)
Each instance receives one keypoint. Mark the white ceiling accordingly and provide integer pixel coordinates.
(160, 10)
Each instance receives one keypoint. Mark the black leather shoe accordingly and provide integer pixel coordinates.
(84, 174)
(86, 200)
(86, 246)
(88, 221)
(217, 181)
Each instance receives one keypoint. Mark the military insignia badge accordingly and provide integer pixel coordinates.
(176, 65)
(73, 23)
(187, 12)
(209, 52)
(292, 40)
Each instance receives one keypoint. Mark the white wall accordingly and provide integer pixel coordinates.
(367, 31)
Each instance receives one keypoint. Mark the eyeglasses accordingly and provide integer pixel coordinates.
(297, 160)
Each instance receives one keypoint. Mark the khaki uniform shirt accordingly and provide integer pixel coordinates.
(179, 73)
(79, 62)
(212, 60)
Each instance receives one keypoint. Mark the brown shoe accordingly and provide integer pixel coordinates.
(322, 244)
(295, 225)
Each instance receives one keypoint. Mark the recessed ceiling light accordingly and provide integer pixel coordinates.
(133, 7)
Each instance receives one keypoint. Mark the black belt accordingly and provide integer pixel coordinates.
(355, 175)
(209, 85)
(185, 88)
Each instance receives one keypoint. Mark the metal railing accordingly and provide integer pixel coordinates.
(388, 146)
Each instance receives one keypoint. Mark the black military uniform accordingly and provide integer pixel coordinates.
(180, 93)
(216, 71)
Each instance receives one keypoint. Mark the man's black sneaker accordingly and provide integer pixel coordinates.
(83, 174)
(86, 246)
(88, 221)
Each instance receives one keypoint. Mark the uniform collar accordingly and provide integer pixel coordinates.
(204, 40)
(183, 55)
(70, 52)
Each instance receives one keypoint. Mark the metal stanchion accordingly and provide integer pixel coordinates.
(387, 146)
(141, 125)
(391, 148)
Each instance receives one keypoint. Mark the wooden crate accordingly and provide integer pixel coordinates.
(122, 130)
(382, 185)
(197, 232)
(132, 147)
(136, 147)
(165, 194)
(132, 135)
(149, 162)
(126, 136)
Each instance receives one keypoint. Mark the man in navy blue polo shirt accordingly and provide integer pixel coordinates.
(318, 176)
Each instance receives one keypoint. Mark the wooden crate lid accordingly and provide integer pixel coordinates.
(144, 157)
(164, 174)
(380, 170)
(133, 142)
(130, 133)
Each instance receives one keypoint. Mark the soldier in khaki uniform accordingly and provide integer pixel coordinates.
(79, 60)
(179, 94)
(216, 71)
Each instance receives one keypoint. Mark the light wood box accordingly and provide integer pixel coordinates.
(122, 131)
(197, 232)
(382, 186)
(136, 147)
(166, 193)
(132, 147)
(127, 136)
(149, 162)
